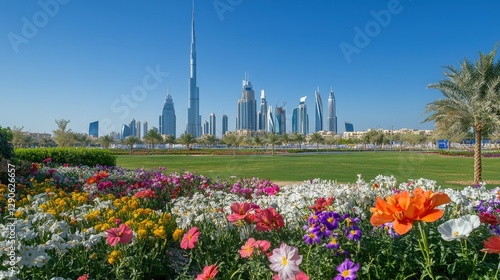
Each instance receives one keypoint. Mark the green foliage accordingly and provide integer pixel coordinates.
(71, 156)
(6, 148)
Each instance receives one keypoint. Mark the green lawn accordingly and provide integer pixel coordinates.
(343, 167)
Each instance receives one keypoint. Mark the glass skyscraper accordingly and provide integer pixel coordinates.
(224, 124)
(318, 110)
(280, 120)
(262, 117)
(302, 117)
(332, 113)
(167, 118)
(212, 128)
(193, 125)
(349, 127)
(247, 108)
(94, 129)
(271, 127)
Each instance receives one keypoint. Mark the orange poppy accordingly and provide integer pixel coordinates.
(403, 209)
(492, 245)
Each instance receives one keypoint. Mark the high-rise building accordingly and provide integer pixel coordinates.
(295, 117)
(133, 128)
(126, 132)
(332, 113)
(167, 118)
(302, 117)
(144, 128)
(318, 110)
(247, 108)
(94, 129)
(271, 127)
(349, 127)
(262, 115)
(280, 120)
(212, 128)
(138, 129)
(224, 124)
(206, 127)
(193, 125)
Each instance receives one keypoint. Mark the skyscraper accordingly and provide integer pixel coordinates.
(349, 127)
(138, 129)
(302, 117)
(247, 108)
(144, 128)
(193, 125)
(295, 117)
(318, 110)
(280, 120)
(94, 129)
(212, 128)
(224, 124)
(262, 117)
(332, 113)
(167, 118)
(206, 127)
(125, 131)
(270, 120)
(133, 128)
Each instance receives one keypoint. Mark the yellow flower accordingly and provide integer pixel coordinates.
(93, 256)
(114, 256)
(18, 214)
(142, 233)
(177, 234)
(160, 232)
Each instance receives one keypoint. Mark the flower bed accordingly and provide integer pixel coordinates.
(112, 223)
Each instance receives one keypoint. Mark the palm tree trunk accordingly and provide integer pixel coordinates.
(273, 149)
(477, 155)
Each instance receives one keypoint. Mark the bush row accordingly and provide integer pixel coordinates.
(71, 156)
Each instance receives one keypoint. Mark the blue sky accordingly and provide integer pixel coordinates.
(89, 60)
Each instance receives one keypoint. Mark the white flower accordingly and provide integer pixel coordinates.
(457, 229)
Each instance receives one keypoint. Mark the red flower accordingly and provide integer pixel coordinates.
(488, 218)
(123, 235)
(267, 219)
(83, 277)
(240, 211)
(190, 239)
(209, 273)
(300, 276)
(321, 204)
(492, 245)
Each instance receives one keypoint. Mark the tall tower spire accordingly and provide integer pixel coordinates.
(193, 125)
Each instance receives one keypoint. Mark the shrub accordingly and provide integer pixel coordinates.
(71, 156)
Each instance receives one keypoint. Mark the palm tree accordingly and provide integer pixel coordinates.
(131, 141)
(257, 141)
(106, 141)
(211, 140)
(317, 139)
(233, 140)
(273, 139)
(298, 138)
(170, 140)
(285, 139)
(187, 139)
(152, 137)
(471, 100)
(62, 136)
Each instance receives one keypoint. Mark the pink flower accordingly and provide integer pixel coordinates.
(123, 235)
(83, 277)
(240, 211)
(209, 273)
(247, 249)
(145, 194)
(286, 260)
(190, 238)
(300, 276)
(262, 245)
(268, 219)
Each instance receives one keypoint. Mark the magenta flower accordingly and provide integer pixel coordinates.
(122, 234)
(347, 270)
(286, 260)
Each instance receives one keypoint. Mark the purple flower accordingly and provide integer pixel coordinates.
(333, 243)
(311, 238)
(330, 220)
(322, 231)
(354, 233)
(347, 270)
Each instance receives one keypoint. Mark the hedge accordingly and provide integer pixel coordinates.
(71, 156)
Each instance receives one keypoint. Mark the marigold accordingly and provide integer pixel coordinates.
(403, 209)
(114, 256)
(177, 234)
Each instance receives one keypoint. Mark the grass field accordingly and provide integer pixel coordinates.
(342, 167)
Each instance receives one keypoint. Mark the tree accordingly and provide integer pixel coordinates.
(170, 140)
(187, 139)
(285, 139)
(6, 147)
(106, 141)
(232, 139)
(471, 100)
(298, 138)
(20, 138)
(317, 139)
(257, 141)
(62, 136)
(153, 137)
(273, 139)
(131, 141)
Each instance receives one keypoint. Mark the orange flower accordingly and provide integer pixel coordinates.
(403, 209)
(492, 245)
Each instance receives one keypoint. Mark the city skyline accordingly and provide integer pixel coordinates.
(378, 57)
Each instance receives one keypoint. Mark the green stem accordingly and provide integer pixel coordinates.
(424, 248)
(307, 259)
(498, 268)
